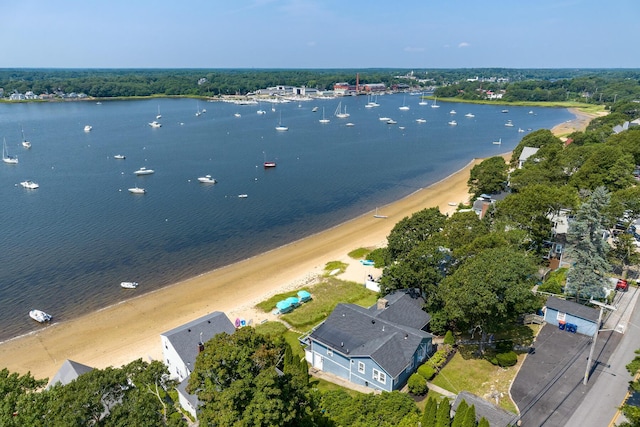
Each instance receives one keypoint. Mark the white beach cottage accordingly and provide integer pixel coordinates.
(181, 345)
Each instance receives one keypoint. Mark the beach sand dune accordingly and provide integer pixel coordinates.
(124, 332)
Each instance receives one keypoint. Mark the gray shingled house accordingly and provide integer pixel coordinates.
(378, 347)
(68, 372)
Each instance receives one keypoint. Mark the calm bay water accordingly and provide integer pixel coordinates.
(65, 247)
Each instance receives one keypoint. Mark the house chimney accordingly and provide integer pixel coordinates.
(200, 347)
(382, 304)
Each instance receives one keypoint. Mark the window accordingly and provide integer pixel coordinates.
(329, 352)
(381, 377)
(361, 367)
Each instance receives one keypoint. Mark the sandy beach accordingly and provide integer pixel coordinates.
(124, 332)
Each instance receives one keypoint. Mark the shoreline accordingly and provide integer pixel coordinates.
(120, 333)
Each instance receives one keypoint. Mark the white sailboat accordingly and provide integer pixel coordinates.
(25, 143)
(339, 113)
(11, 160)
(435, 103)
(198, 112)
(158, 116)
(323, 119)
(377, 215)
(498, 142)
(280, 127)
(404, 107)
(422, 100)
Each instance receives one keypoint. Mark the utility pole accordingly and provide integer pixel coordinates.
(595, 336)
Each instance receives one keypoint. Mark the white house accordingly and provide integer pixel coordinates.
(181, 346)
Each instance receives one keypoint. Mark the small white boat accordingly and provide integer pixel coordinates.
(435, 103)
(207, 179)
(349, 124)
(530, 111)
(453, 123)
(280, 126)
(243, 196)
(40, 316)
(505, 111)
(384, 119)
(30, 185)
(88, 128)
(128, 285)
(314, 109)
(453, 204)
(261, 112)
(119, 157)
(453, 112)
(155, 124)
(391, 122)
(323, 119)
(404, 107)
(377, 215)
(158, 116)
(421, 121)
(238, 115)
(509, 124)
(469, 115)
(144, 171)
(498, 142)
(137, 190)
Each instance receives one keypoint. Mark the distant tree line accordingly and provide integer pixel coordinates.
(531, 85)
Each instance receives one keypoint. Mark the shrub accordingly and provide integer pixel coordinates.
(417, 385)
(379, 257)
(426, 371)
(507, 359)
(449, 338)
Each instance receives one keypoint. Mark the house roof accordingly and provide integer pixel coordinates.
(573, 308)
(191, 398)
(527, 152)
(358, 332)
(185, 339)
(404, 308)
(68, 372)
(496, 416)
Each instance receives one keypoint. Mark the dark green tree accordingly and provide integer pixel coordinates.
(13, 389)
(429, 414)
(469, 417)
(411, 231)
(488, 291)
(489, 176)
(461, 411)
(483, 422)
(587, 248)
(607, 166)
(443, 417)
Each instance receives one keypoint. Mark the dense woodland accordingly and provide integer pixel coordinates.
(476, 275)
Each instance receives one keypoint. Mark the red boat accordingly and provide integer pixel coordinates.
(269, 164)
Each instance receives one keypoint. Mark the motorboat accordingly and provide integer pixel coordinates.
(391, 122)
(384, 119)
(88, 128)
(421, 121)
(30, 185)
(128, 285)
(349, 124)
(144, 171)
(453, 123)
(137, 190)
(520, 130)
(314, 109)
(238, 115)
(269, 164)
(509, 124)
(498, 142)
(469, 115)
(155, 124)
(505, 111)
(207, 179)
(453, 112)
(40, 316)
(243, 196)
(119, 157)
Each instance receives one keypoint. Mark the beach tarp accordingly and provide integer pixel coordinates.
(284, 306)
(367, 262)
(304, 296)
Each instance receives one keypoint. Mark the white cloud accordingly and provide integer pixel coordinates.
(464, 44)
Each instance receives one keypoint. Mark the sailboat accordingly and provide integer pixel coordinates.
(198, 112)
(25, 143)
(12, 160)
(323, 120)
(268, 164)
(377, 215)
(422, 100)
(404, 107)
(280, 127)
(159, 116)
(339, 114)
(498, 142)
(435, 103)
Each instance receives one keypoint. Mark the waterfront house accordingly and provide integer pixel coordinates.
(525, 154)
(68, 372)
(181, 346)
(378, 347)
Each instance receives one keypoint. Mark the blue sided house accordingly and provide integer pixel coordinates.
(377, 347)
(571, 317)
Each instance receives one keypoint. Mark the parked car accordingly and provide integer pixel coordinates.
(622, 285)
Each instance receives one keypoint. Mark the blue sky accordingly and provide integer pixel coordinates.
(410, 34)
